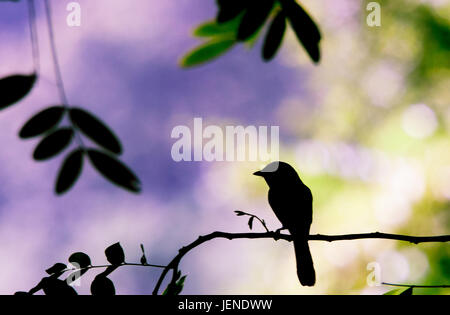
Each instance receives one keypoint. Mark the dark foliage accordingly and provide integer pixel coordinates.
(274, 36)
(55, 138)
(42, 122)
(113, 170)
(95, 129)
(70, 171)
(53, 144)
(101, 285)
(241, 21)
(14, 88)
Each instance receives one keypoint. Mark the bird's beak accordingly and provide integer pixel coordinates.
(258, 173)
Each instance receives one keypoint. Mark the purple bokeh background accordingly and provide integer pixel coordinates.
(121, 64)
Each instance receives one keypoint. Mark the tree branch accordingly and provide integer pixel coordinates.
(173, 265)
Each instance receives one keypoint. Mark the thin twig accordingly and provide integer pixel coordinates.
(106, 266)
(39, 286)
(263, 223)
(57, 69)
(173, 265)
(34, 36)
(415, 286)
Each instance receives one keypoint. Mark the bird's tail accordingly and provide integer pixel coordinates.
(305, 267)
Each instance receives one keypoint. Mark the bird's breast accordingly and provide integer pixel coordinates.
(292, 206)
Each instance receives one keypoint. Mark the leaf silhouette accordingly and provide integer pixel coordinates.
(207, 52)
(92, 127)
(175, 289)
(102, 286)
(250, 223)
(392, 292)
(274, 36)
(115, 255)
(53, 144)
(304, 27)
(229, 9)
(113, 170)
(81, 259)
(143, 258)
(14, 88)
(42, 122)
(57, 287)
(408, 291)
(56, 268)
(254, 18)
(70, 172)
(213, 28)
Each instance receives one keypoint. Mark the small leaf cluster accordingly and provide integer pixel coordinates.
(81, 263)
(240, 21)
(175, 287)
(56, 138)
(251, 219)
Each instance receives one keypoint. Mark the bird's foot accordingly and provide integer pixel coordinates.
(278, 233)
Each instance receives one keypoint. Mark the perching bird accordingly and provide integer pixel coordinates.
(291, 201)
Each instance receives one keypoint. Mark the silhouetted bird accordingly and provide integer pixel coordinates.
(291, 200)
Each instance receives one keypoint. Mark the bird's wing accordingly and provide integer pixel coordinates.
(293, 207)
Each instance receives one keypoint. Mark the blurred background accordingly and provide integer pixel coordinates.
(367, 129)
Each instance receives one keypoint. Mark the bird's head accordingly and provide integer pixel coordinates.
(277, 173)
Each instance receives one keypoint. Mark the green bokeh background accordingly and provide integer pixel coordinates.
(369, 78)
